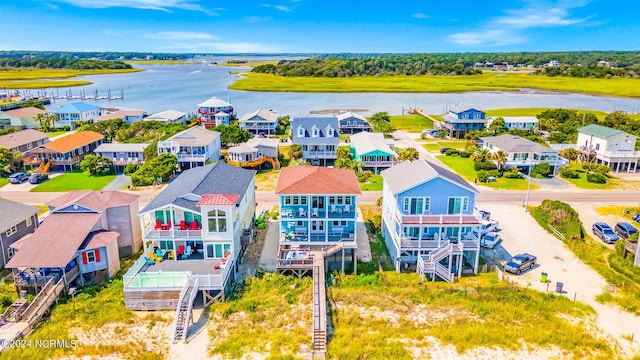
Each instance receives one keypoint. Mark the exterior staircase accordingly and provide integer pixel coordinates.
(430, 264)
(183, 312)
(333, 249)
(319, 344)
(44, 167)
(275, 164)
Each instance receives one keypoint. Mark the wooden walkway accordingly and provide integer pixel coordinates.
(319, 307)
(419, 111)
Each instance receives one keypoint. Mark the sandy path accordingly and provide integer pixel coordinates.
(521, 233)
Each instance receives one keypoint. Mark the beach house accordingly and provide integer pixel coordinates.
(17, 221)
(523, 153)
(318, 137)
(193, 147)
(20, 118)
(461, 119)
(23, 140)
(611, 147)
(64, 153)
(193, 233)
(373, 150)
(352, 123)
(69, 115)
(318, 210)
(428, 220)
(214, 112)
(260, 122)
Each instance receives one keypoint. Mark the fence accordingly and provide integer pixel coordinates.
(556, 232)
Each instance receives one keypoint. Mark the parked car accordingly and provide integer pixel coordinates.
(37, 178)
(520, 263)
(604, 232)
(488, 226)
(485, 214)
(444, 150)
(624, 229)
(490, 239)
(18, 178)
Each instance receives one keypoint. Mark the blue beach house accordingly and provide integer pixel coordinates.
(460, 120)
(318, 137)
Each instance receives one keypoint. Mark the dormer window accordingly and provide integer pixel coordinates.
(315, 132)
(300, 131)
(329, 132)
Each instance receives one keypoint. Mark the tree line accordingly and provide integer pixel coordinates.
(582, 64)
(61, 63)
(91, 55)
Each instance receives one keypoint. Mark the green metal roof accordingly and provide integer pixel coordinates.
(599, 130)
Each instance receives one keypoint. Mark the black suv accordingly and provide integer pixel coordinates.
(37, 178)
(624, 229)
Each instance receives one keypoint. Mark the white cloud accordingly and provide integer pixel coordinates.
(182, 35)
(161, 5)
(491, 37)
(223, 47)
(420, 16)
(527, 18)
(277, 7)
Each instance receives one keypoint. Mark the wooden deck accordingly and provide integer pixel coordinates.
(319, 306)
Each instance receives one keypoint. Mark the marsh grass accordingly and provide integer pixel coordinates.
(439, 84)
(22, 78)
(381, 316)
(535, 111)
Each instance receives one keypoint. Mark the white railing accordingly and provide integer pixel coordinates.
(175, 232)
(622, 154)
(188, 157)
(183, 293)
(443, 272)
(379, 163)
(319, 154)
(559, 147)
(553, 162)
(157, 280)
(134, 270)
(471, 219)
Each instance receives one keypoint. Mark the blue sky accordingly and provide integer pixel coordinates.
(321, 26)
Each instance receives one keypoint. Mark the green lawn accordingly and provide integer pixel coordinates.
(74, 181)
(434, 145)
(411, 123)
(625, 87)
(55, 133)
(584, 184)
(464, 167)
(3, 181)
(374, 183)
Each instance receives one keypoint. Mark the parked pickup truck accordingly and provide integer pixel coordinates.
(520, 263)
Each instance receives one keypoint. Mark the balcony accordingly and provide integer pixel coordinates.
(34, 160)
(186, 156)
(151, 232)
(124, 162)
(469, 241)
(440, 219)
(263, 126)
(333, 212)
(378, 164)
(319, 154)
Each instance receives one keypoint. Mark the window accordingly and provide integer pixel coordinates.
(91, 256)
(329, 132)
(457, 205)
(28, 220)
(416, 205)
(221, 250)
(597, 147)
(29, 145)
(301, 132)
(10, 252)
(316, 132)
(12, 230)
(217, 221)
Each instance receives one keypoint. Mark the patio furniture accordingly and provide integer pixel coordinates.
(333, 208)
(148, 261)
(183, 225)
(180, 250)
(158, 225)
(301, 212)
(189, 250)
(194, 226)
(314, 212)
(159, 254)
(347, 208)
(171, 255)
(167, 226)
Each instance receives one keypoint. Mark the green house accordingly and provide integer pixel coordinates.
(373, 150)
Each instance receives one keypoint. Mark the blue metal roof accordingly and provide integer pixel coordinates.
(75, 108)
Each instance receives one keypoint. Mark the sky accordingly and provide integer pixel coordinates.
(319, 26)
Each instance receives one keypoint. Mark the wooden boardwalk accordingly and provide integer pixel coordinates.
(319, 307)
(419, 111)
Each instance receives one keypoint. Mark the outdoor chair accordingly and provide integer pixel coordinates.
(333, 208)
(148, 261)
(302, 212)
(194, 226)
(158, 225)
(183, 225)
(347, 208)
(159, 254)
(314, 212)
(189, 250)
(180, 250)
(167, 226)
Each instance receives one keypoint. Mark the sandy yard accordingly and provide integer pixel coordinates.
(521, 233)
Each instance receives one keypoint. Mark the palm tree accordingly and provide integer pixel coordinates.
(500, 157)
(480, 155)
(358, 165)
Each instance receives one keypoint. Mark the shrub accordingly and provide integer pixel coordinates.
(598, 168)
(363, 176)
(570, 174)
(483, 176)
(596, 178)
(541, 170)
(130, 169)
(484, 165)
(161, 166)
(513, 175)
(494, 173)
(66, 128)
(465, 154)
(452, 152)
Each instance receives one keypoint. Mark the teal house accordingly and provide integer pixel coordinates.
(373, 150)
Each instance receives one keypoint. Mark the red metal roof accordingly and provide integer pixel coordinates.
(94, 200)
(101, 239)
(317, 180)
(73, 141)
(218, 199)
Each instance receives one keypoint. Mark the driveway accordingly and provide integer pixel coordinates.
(24, 187)
(119, 183)
(554, 183)
(521, 233)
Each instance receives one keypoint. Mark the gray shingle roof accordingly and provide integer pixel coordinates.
(321, 122)
(365, 142)
(266, 114)
(216, 178)
(412, 173)
(512, 143)
(195, 136)
(14, 213)
(22, 137)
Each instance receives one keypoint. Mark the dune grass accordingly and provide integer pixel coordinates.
(617, 210)
(389, 315)
(24, 78)
(411, 123)
(440, 84)
(464, 167)
(266, 180)
(74, 181)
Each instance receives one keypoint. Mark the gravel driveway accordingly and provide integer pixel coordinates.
(521, 233)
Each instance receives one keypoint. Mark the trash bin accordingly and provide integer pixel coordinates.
(543, 277)
(559, 286)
